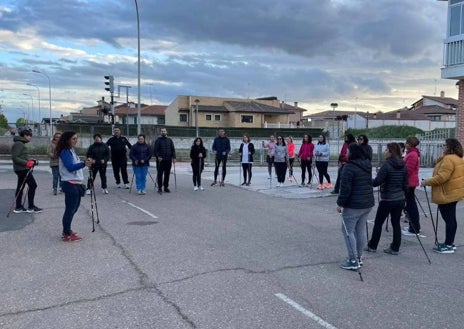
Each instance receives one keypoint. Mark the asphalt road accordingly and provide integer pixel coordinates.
(231, 257)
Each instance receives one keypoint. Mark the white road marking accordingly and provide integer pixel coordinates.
(141, 209)
(309, 314)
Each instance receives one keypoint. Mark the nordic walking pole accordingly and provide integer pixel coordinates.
(153, 180)
(132, 182)
(420, 242)
(175, 176)
(431, 215)
(89, 185)
(420, 205)
(21, 188)
(349, 244)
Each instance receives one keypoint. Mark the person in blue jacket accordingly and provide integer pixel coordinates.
(72, 176)
(140, 154)
(221, 149)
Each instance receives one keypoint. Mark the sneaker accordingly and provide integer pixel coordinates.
(195, 188)
(88, 192)
(350, 264)
(248, 184)
(454, 247)
(201, 188)
(73, 237)
(369, 249)
(19, 210)
(320, 187)
(360, 261)
(55, 191)
(214, 183)
(222, 184)
(390, 251)
(442, 248)
(406, 232)
(105, 190)
(167, 190)
(328, 185)
(34, 210)
(143, 192)
(244, 183)
(139, 192)
(302, 185)
(118, 185)
(126, 186)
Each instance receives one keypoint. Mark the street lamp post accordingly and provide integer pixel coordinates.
(32, 108)
(139, 114)
(334, 106)
(196, 118)
(49, 97)
(40, 115)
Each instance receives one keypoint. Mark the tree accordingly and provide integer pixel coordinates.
(3, 121)
(20, 122)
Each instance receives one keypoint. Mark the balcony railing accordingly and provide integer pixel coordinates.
(453, 53)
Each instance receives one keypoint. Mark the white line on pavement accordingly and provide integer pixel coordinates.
(309, 314)
(141, 209)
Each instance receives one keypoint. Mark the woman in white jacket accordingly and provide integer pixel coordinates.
(322, 153)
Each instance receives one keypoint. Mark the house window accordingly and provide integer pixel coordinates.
(435, 118)
(208, 117)
(183, 118)
(217, 117)
(247, 119)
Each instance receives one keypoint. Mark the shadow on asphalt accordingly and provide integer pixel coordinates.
(15, 221)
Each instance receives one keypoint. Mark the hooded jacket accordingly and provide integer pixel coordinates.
(356, 185)
(448, 179)
(412, 161)
(19, 153)
(393, 180)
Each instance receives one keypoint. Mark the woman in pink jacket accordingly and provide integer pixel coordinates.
(412, 161)
(305, 154)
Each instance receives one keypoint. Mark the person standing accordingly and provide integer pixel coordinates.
(165, 155)
(221, 149)
(355, 202)
(100, 153)
(270, 147)
(412, 161)
(23, 166)
(119, 145)
(392, 178)
(322, 153)
(342, 159)
(280, 161)
(291, 156)
(140, 154)
(72, 176)
(246, 152)
(447, 184)
(197, 157)
(54, 162)
(363, 141)
(305, 154)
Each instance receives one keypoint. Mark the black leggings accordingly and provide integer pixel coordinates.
(216, 168)
(31, 184)
(322, 169)
(306, 166)
(448, 213)
(247, 172)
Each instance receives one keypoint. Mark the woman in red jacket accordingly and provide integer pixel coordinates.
(305, 154)
(412, 161)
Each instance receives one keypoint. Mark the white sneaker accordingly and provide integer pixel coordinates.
(143, 192)
(88, 192)
(195, 188)
(105, 190)
(118, 185)
(139, 192)
(201, 188)
(126, 186)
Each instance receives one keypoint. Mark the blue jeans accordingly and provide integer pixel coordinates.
(56, 177)
(355, 234)
(140, 177)
(72, 201)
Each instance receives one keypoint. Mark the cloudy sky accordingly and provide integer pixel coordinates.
(364, 55)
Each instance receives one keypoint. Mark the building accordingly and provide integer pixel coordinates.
(215, 112)
(453, 57)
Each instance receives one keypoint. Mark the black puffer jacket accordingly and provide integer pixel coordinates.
(393, 180)
(356, 185)
(164, 148)
(98, 152)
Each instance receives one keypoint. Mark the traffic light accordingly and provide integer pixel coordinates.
(109, 81)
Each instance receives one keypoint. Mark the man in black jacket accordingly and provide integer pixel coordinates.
(118, 145)
(221, 149)
(165, 155)
(99, 152)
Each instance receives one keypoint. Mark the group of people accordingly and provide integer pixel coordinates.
(397, 178)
